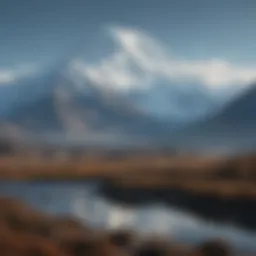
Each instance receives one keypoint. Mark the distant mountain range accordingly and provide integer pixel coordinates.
(231, 129)
(53, 107)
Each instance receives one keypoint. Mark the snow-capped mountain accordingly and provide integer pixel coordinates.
(169, 101)
(62, 105)
(159, 97)
(54, 107)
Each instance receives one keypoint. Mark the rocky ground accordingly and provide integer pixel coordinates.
(24, 231)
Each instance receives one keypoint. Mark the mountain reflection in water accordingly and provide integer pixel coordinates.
(184, 216)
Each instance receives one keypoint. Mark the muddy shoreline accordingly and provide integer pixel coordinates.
(25, 231)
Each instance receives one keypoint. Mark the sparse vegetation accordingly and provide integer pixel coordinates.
(23, 236)
(216, 176)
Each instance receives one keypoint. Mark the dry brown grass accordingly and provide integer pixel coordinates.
(25, 240)
(234, 177)
(65, 236)
(27, 167)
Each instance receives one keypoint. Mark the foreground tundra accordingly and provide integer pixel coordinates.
(26, 232)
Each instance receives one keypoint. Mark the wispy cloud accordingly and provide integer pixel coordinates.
(11, 74)
(139, 59)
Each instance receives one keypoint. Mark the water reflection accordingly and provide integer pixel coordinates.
(82, 201)
(235, 211)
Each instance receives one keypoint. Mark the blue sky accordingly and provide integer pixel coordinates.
(216, 34)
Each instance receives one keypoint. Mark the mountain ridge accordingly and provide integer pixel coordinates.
(232, 126)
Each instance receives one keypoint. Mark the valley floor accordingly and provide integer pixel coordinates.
(225, 177)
